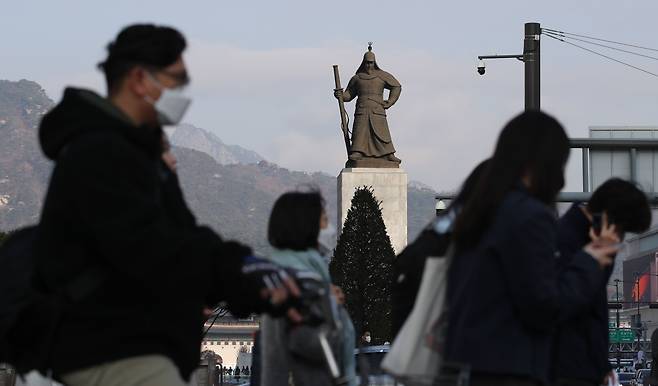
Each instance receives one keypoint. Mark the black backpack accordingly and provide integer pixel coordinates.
(24, 313)
(29, 316)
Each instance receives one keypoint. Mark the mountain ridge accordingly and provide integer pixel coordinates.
(235, 199)
(192, 137)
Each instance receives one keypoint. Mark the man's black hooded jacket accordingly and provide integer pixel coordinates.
(112, 204)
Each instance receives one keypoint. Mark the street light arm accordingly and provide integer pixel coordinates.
(530, 58)
(519, 57)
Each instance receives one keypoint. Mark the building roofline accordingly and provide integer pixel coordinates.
(622, 127)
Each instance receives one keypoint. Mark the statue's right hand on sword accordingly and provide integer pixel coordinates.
(343, 95)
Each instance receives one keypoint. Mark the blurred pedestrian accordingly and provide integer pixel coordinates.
(616, 208)
(115, 227)
(293, 230)
(504, 295)
(366, 339)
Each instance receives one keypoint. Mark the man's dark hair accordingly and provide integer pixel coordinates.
(533, 142)
(295, 221)
(626, 205)
(145, 45)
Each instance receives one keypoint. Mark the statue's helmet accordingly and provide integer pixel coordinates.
(369, 56)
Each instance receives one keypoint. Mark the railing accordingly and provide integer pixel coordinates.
(588, 144)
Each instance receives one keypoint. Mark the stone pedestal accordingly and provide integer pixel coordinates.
(390, 188)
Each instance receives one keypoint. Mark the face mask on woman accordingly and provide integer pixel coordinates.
(327, 236)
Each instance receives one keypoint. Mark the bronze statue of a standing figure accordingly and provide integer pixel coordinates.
(371, 144)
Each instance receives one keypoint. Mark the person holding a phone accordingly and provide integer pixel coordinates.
(504, 294)
(616, 208)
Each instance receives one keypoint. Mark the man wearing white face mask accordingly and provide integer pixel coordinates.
(171, 105)
(143, 273)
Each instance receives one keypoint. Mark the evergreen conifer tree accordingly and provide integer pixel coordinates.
(362, 266)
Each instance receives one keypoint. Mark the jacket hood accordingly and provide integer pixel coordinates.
(83, 111)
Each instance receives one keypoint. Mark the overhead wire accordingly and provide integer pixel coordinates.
(599, 39)
(563, 40)
(601, 45)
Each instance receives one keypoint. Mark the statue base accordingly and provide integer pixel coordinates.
(372, 163)
(390, 188)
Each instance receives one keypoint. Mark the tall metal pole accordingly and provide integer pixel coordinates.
(637, 320)
(618, 333)
(531, 59)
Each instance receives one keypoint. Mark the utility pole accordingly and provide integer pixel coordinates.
(532, 62)
(618, 334)
(530, 57)
(638, 318)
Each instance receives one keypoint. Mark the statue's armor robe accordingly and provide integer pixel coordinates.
(370, 134)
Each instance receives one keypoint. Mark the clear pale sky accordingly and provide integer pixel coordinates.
(262, 70)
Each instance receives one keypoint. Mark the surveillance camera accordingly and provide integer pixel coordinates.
(481, 67)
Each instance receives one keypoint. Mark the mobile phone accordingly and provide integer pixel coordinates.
(597, 222)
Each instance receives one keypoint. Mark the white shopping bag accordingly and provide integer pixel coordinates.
(411, 359)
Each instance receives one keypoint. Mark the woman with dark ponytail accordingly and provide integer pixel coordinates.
(504, 293)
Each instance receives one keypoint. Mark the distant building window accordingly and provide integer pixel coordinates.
(241, 343)
(233, 343)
